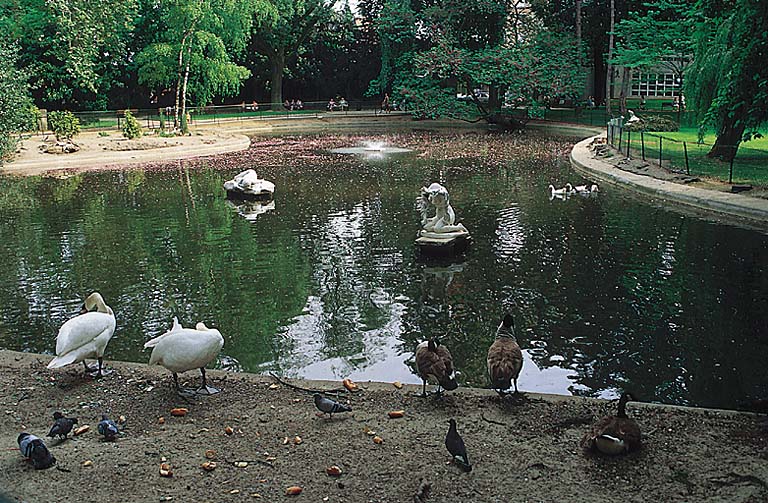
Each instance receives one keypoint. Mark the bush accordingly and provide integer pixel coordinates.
(653, 123)
(131, 128)
(64, 124)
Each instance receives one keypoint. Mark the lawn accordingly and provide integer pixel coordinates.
(749, 166)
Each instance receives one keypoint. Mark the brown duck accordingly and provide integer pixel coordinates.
(435, 361)
(505, 360)
(614, 435)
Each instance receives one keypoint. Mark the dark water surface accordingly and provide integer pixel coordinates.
(608, 292)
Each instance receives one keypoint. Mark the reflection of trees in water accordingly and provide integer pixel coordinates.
(619, 293)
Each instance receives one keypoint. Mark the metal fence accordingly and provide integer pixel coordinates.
(746, 166)
(161, 118)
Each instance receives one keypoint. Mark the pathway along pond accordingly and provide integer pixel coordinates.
(608, 292)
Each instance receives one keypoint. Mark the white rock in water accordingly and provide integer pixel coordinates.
(248, 183)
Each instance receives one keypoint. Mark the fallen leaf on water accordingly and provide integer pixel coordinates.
(293, 491)
(333, 471)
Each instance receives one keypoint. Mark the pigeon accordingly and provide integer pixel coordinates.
(505, 359)
(108, 428)
(34, 449)
(455, 445)
(614, 435)
(62, 425)
(434, 360)
(330, 407)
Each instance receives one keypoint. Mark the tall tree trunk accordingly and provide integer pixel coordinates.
(728, 139)
(609, 73)
(179, 80)
(578, 21)
(626, 75)
(494, 104)
(184, 91)
(277, 62)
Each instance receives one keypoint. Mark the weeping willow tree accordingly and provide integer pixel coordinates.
(727, 83)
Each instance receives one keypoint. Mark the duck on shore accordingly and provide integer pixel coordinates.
(505, 359)
(433, 360)
(614, 435)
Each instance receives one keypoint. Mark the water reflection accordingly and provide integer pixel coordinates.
(250, 210)
(607, 293)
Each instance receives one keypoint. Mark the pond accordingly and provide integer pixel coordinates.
(608, 292)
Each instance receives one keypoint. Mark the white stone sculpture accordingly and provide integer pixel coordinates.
(247, 184)
(443, 225)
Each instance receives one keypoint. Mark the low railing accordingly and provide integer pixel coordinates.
(748, 165)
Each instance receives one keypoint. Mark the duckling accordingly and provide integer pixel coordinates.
(434, 360)
(505, 359)
(614, 435)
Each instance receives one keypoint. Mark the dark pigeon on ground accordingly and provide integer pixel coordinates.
(34, 449)
(330, 407)
(455, 445)
(108, 428)
(62, 425)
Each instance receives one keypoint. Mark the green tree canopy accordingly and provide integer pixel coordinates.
(16, 109)
(728, 80)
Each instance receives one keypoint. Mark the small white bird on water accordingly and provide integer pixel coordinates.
(85, 336)
(181, 349)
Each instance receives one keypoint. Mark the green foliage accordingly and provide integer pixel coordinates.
(653, 123)
(17, 113)
(64, 124)
(131, 127)
(74, 51)
(728, 82)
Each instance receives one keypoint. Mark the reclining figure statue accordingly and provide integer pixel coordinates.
(443, 224)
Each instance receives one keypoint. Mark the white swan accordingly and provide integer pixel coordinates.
(85, 335)
(181, 349)
(559, 193)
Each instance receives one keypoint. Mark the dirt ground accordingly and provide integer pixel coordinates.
(521, 450)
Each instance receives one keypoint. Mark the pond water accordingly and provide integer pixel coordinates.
(608, 292)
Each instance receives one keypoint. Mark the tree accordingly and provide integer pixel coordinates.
(73, 51)
(16, 109)
(728, 80)
(194, 50)
(659, 38)
(280, 38)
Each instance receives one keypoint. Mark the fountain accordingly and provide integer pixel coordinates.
(371, 149)
(439, 235)
(248, 185)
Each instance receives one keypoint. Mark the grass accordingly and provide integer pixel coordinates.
(750, 165)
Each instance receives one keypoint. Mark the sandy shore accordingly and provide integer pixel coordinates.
(521, 450)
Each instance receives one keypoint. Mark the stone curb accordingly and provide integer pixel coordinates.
(731, 208)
